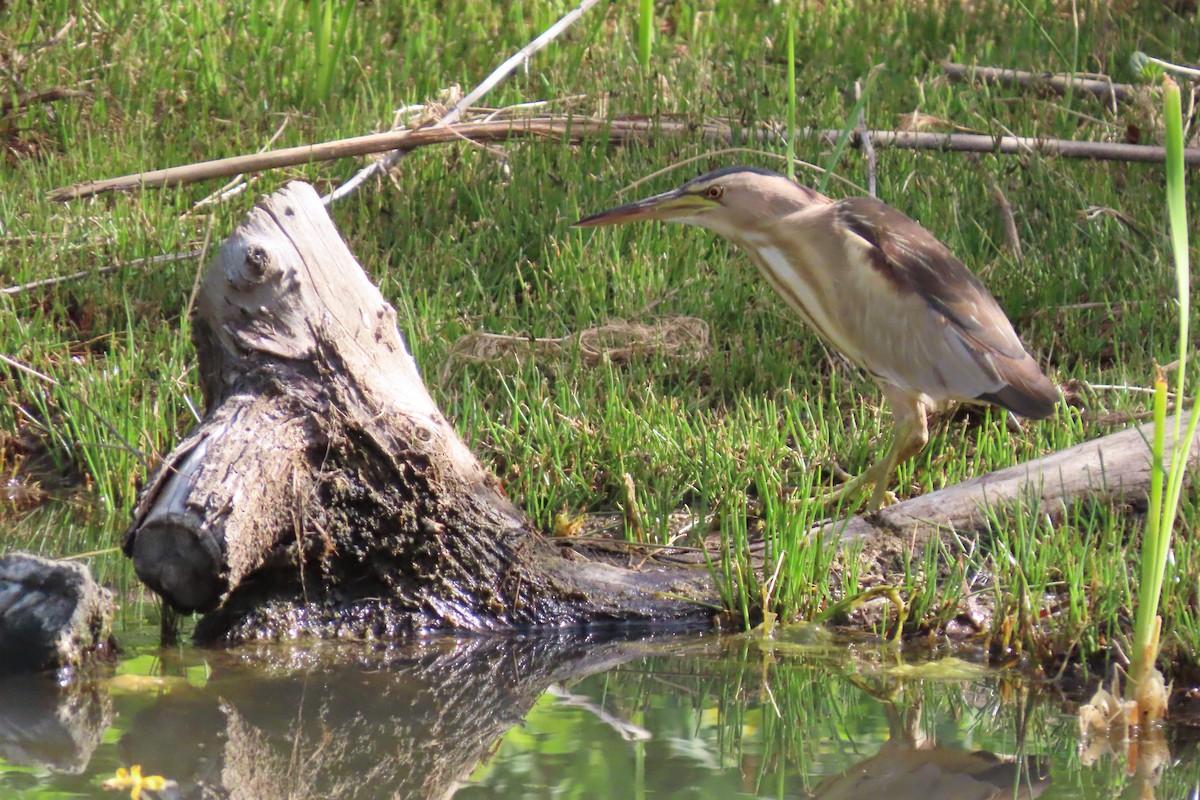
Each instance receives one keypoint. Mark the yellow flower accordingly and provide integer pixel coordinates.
(133, 780)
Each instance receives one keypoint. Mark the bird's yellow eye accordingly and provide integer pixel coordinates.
(714, 192)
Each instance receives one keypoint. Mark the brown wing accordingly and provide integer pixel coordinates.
(913, 260)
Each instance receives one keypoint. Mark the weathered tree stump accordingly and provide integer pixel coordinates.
(323, 494)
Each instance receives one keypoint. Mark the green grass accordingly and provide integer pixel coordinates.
(645, 31)
(466, 241)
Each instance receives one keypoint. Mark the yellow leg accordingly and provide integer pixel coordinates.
(910, 433)
(850, 488)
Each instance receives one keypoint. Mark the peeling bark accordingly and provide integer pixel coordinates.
(324, 494)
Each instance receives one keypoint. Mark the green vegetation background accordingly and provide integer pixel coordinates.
(468, 238)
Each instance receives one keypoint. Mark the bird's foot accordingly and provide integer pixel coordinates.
(880, 499)
(846, 490)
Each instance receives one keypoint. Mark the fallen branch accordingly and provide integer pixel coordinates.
(619, 131)
(1061, 83)
(39, 97)
(1111, 469)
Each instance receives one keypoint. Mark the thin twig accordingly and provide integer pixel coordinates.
(1107, 305)
(490, 82)
(200, 259)
(616, 131)
(685, 529)
(509, 111)
(1095, 212)
(625, 729)
(137, 263)
(1103, 88)
(587, 540)
(1114, 417)
(39, 47)
(920, 121)
(30, 238)
(864, 136)
(1123, 387)
(1140, 59)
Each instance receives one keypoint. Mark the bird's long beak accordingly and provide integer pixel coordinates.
(669, 205)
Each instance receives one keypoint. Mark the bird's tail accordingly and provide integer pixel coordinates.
(1027, 391)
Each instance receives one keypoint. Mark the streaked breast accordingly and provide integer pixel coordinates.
(809, 289)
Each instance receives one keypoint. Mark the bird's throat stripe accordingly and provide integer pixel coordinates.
(774, 266)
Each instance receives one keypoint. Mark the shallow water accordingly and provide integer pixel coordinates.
(666, 716)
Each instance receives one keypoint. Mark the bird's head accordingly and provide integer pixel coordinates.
(731, 201)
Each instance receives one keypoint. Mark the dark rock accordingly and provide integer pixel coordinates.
(52, 614)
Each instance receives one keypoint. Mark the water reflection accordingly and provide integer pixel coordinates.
(533, 717)
(43, 725)
(911, 766)
(334, 722)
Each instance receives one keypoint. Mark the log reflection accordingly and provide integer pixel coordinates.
(665, 715)
(43, 724)
(340, 721)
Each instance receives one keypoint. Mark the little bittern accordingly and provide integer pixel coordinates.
(877, 287)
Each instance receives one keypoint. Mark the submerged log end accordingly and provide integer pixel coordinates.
(179, 564)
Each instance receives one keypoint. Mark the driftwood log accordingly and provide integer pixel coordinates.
(1113, 469)
(324, 495)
